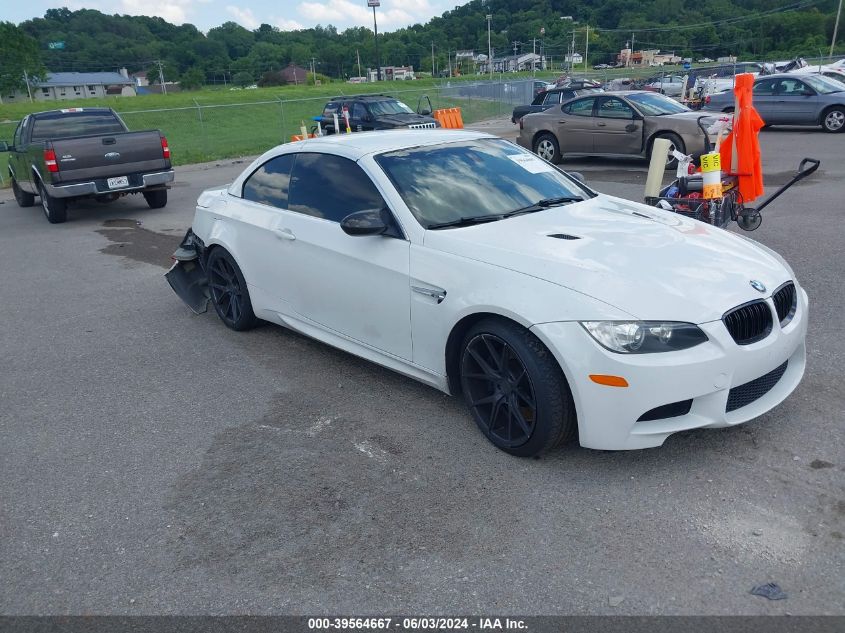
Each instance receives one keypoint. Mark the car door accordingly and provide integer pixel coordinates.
(796, 101)
(21, 159)
(619, 130)
(765, 100)
(360, 119)
(576, 126)
(357, 287)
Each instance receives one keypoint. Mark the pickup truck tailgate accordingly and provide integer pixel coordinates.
(119, 154)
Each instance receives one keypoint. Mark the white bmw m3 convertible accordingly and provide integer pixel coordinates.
(470, 264)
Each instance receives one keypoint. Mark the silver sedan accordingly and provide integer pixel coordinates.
(790, 99)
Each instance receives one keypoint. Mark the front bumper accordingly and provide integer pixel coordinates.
(137, 182)
(705, 374)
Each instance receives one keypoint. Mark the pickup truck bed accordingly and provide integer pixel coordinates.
(62, 155)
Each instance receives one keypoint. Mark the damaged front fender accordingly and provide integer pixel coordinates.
(187, 276)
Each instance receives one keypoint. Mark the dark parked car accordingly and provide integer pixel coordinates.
(64, 155)
(790, 99)
(546, 100)
(373, 112)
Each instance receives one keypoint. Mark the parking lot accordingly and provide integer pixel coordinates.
(155, 462)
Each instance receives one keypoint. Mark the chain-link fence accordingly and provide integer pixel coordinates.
(209, 132)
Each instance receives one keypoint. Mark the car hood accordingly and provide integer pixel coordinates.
(649, 263)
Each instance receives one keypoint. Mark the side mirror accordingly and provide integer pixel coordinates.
(808, 93)
(577, 175)
(368, 222)
(424, 112)
(4, 147)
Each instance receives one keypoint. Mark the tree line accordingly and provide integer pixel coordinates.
(94, 41)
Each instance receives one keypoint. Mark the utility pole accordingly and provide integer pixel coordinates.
(449, 60)
(161, 77)
(374, 4)
(587, 51)
(572, 54)
(489, 47)
(631, 56)
(28, 87)
(533, 59)
(358, 55)
(514, 48)
(313, 71)
(432, 59)
(835, 28)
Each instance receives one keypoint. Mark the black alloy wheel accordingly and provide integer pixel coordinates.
(229, 292)
(499, 391)
(515, 389)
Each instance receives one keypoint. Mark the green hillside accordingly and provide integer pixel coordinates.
(756, 29)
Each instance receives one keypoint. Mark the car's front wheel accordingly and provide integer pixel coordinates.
(675, 143)
(834, 120)
(547, 148)
(515, 389)
(23, 198)
(228, 291)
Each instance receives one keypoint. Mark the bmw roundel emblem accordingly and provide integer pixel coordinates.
(757, 285)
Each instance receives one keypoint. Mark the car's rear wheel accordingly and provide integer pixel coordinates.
(515, 389)
(23, 198)
(675, 143)
(156, 199)
(833, 120)
(55, 209)
(229, 292)
(547, 148)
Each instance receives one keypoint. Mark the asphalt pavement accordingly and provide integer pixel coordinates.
(154, 462)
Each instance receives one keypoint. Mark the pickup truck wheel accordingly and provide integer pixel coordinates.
(54, 208)
(229, 292)
(23, 198)
(156, 198)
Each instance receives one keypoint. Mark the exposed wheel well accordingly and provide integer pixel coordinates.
(537, 135)
(453, 345)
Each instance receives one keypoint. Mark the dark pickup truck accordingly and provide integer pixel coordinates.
(65, 155)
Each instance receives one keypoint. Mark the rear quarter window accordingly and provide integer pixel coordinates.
(68, 124)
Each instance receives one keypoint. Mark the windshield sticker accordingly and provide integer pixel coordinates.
(531, 163)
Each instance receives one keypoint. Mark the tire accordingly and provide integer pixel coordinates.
(23, 198)
(676, 143)
(515, 390)
(156, 199)
(833, 120)
(228, 291)
(547, 148)
(55, 209)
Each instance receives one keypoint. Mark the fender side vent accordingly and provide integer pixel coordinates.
(564, 236)
(672, 410)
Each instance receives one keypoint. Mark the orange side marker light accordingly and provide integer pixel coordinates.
(609, 381)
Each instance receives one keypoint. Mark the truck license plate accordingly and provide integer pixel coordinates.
(116, 183)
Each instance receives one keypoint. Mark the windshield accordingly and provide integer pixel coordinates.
(822, 85)
(389, 107)
(651, 104)
(472, 179)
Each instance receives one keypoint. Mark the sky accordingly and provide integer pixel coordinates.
(284, 14)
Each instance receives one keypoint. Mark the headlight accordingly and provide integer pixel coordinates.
(644, 337)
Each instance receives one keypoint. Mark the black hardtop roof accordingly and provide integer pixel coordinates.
(59, 111)
(370, 97)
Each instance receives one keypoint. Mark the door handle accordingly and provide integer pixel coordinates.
(284, 234)
(601, 124)
(561, 122)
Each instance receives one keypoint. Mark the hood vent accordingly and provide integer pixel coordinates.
(564, 236)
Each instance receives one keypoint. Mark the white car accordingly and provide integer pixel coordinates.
(670, 85)
(470, 264)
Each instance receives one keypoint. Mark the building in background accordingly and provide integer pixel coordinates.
(67, 86)
(392, 73)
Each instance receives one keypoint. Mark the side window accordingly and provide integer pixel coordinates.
(551, 98)
(581, 107)
(331, 187)
(612, 108)
(16, 141)
(331, 108)
(791, 87)
(765, 87)
(358, 111)
(270, 183)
